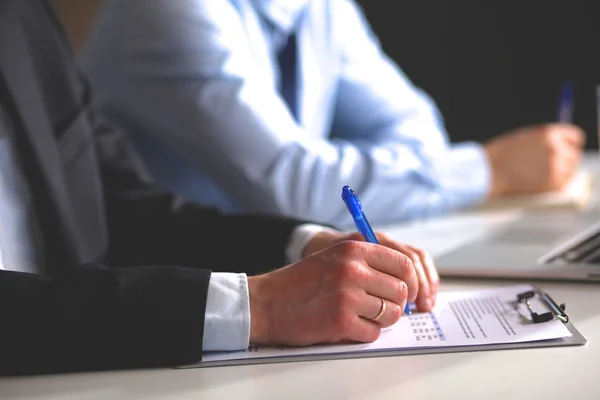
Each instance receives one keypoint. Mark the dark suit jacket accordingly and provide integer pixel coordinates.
(127, 266)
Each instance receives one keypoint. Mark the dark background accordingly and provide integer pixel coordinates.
(492, 65)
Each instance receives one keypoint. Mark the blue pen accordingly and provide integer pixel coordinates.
(565, 105)
(361, 222)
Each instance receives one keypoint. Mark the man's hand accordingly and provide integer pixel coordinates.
(423, 263)
(534, 159)
(331, 296)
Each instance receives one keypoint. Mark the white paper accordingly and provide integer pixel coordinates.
(439, 235)
(575, 195)
(465, 318)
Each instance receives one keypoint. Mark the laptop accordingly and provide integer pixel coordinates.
(535, 244)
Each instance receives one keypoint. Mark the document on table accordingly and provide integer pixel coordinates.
(460, 319)
(575, 195)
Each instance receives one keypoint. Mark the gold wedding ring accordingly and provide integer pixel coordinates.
(381, 312)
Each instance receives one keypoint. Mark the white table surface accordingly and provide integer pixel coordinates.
(555, 373)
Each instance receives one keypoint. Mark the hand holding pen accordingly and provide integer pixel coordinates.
(427, 274)
(537, 158)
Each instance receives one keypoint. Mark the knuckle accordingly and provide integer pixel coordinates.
(349, 248)
(405, 264)
(402, 291)
(550, 145)
(555, 150)
(355, 236)
(383, 237)
(350, 272)
(413, 256)
(423, 255)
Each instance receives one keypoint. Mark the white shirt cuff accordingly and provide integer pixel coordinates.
(227, 316)
(300, 238)
(466, 173)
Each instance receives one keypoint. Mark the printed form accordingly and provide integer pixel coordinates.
(462, 318)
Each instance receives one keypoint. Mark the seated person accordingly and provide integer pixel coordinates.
(99, 270)
(272, 105)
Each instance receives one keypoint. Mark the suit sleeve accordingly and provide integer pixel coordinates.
(101, 318)
(147, 226)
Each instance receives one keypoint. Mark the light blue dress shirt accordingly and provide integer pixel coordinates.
(197, 82)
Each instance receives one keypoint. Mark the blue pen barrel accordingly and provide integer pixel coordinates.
(358, 216)
(360, 220)
(364, 228)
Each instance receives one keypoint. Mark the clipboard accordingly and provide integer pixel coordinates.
(554, 310)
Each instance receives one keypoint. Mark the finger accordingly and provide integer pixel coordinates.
(571, 164)
(394, 263)
(431, 271)
(379, 284)
(363, 331)
(572, 135)
(571, 155)
(371, 306)
(567, 166)
(423, 265)
(424, 295)
(563, 165)
(355, 236)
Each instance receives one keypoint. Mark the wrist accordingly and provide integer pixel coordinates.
(258, 334)
(319, 241)
(300, 240)
(498, 187)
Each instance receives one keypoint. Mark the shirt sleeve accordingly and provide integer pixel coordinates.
(227, 318)
(381, 112)
(300, 238)
(227, 321)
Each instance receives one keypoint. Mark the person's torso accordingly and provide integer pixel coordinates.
(264, 23)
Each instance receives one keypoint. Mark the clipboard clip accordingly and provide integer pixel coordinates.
(557, 310)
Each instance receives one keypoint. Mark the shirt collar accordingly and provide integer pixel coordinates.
(282, 13)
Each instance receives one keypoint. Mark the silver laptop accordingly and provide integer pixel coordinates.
(547, 245)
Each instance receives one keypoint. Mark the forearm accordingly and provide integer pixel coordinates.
(161, 230)
(99, 318)
(395, 182)
(457, 178)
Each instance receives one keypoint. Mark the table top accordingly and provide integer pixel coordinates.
(559, 372)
